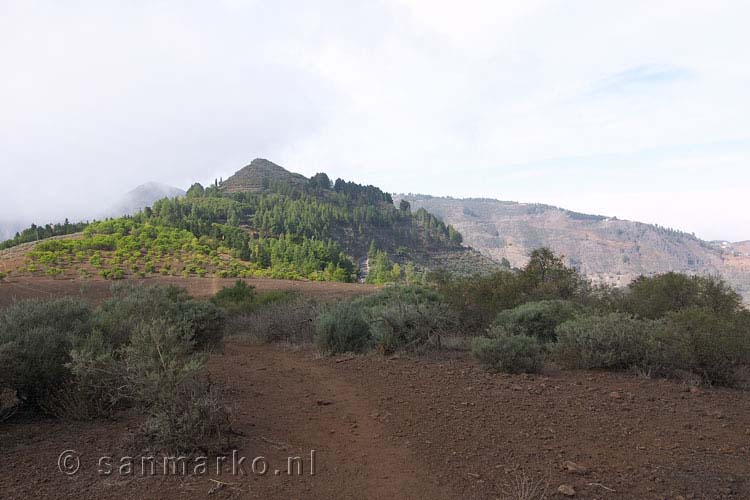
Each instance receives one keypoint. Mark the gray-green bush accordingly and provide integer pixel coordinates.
(407, 326)
(185, 412)
(291, 320)
(509, 354)
(342, 328)
(36, 337)
(713, 346)
(653, 297)
(406, 317)
(534, 319)
(142, 347)
(615, 341)
(133, 304)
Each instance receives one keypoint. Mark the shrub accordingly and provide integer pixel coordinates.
(475, 301)
(96, 387)
(342, 328)
(616, 341)
(280, 321)
(56, 359)
(185, 412)
(534, 319)
(405, 317)
(399, 294)
(653, 297)
(133, 304)
(509, 354)
(546, 277)
(239, 295)
(400, 326)
(242, 298)
(159, 356)
(34, 363)
(3, 276)
(36, 337)
(204, 322)
(708, 344)
(194, 419)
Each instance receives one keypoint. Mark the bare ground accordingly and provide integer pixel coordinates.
(95, 290)
(407, 428)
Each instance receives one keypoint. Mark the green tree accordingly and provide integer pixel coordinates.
(547, 277)
(195, 191)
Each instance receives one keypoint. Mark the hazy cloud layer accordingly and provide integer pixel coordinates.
(621, 108)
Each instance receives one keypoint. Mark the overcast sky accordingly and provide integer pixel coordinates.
(634, 109)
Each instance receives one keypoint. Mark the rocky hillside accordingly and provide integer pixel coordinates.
(260, 176)
(606, 249)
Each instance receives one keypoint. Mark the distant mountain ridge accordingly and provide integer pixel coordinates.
(606, 249)
(142, 196)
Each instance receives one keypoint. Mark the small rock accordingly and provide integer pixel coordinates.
(615, 395)
(567, 490)
(695, 390)
(322, 402)
(574, 468)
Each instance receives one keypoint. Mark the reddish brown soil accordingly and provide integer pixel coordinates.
(96, 289)
(402, 428)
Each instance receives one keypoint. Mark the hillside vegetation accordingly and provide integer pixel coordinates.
(263, 222)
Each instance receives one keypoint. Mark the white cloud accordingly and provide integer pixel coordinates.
(514, 99)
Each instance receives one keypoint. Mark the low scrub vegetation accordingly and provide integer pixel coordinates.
(397, 318)
(289, 320)
(668, 325)
(342, 328)
(509, 353)
(515, 320)
(144, 347)
(697, 341)
(534, 319)
(242, 298)
(616, 341)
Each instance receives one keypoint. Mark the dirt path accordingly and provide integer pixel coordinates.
(299, 404)
(410, 428)
(284, 404)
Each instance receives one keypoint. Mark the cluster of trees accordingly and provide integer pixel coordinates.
(36, 233)
(382, 270)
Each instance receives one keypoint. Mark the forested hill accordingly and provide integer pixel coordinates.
(360, 219)
(264, 221)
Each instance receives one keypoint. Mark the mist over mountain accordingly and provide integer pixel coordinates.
(8, 228)
(142, 196)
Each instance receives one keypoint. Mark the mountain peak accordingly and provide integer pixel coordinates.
(142, 196)
(259, 175)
